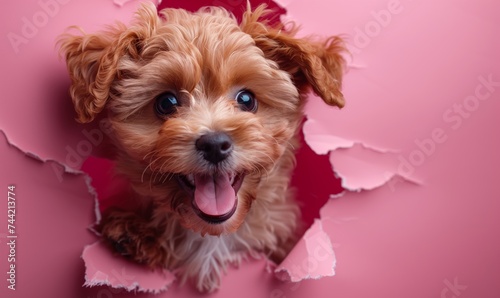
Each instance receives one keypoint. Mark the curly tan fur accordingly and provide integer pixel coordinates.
(204, 58)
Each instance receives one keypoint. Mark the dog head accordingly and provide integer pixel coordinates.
(202, 107)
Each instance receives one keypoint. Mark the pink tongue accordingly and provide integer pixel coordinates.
(214, 195)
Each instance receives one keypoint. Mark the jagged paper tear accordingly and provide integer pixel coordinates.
(361, 166)
(311, 258)
(395, 103)
(104, 268)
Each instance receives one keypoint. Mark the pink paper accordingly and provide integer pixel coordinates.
(417, 144)
(362, 168)
(45, 237)
(104, 268)
(419, 139)
(311, 258)
(35, 71)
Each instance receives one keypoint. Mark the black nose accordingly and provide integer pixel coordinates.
(215, 146)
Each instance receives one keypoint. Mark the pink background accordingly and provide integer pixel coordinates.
(421, 214)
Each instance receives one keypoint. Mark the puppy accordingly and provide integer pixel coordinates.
(205, 114)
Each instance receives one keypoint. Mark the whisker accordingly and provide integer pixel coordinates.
(148, 166)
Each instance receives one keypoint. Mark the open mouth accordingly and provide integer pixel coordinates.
(214, 197)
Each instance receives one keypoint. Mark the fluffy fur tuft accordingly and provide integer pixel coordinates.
(204, 60)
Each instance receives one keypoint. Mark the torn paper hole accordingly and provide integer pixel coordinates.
(311, 258)
(322, 141)
(104, 268)
(361, 168)
(476, 194)
(58, 167)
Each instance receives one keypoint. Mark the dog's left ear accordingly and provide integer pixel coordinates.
(315, 64)
(93, 60)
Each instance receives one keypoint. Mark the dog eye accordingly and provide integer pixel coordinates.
(166, 104)
(247, 101)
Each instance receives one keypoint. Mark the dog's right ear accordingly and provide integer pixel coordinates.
(92, 60)
(318, 65)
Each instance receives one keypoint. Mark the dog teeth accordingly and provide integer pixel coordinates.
(231, 178)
